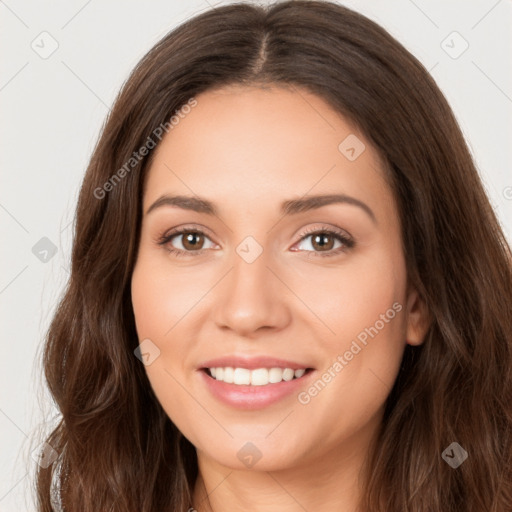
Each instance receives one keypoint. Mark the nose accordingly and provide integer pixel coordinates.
(252, 297)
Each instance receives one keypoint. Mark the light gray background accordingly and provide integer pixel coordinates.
(53, 109)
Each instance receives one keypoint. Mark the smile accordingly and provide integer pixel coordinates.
(257, 388)
(256, 377)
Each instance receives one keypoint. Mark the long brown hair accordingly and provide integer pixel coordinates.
(118, 449)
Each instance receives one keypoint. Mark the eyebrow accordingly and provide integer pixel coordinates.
(289, 207)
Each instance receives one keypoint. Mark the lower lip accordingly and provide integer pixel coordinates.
(253, 397)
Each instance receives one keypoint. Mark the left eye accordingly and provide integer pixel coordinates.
(323, 241)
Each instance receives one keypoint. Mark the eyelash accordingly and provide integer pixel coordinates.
(347, 242)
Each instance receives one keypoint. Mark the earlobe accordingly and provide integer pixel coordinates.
(418, 318)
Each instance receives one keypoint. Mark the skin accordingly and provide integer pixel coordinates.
(247, 149)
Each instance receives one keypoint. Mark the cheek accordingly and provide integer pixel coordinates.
(347, 300)
(157, 309)
(160, 298)
(166, 303)
(364, 310)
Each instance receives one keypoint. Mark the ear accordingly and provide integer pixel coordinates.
(418, 318)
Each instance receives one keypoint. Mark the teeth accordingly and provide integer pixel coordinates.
(241, 376)
(288, 374)
(275, 375)
(257, 377)
(229, 375)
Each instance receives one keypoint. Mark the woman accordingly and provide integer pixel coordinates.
(288, 287)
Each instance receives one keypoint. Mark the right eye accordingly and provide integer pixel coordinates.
(191, 240)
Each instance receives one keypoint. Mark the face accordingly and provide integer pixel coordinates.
(300, 305)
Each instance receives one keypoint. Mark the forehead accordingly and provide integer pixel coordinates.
(261, 145)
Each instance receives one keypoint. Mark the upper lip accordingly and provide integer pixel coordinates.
(251, 363)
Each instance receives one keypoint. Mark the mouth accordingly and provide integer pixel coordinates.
(240, 376)
(256, 388)
(253, 382)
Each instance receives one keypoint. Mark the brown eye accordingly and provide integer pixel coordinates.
(192, 240)
(186, 242)
(325, 242)
(322, 241)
